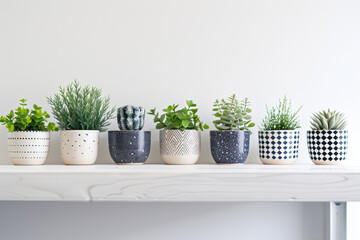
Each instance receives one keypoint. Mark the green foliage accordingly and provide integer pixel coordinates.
(328, 120)
(25, 120)
(233, 114)
(78, 107)
(281, 117)
(183, 119)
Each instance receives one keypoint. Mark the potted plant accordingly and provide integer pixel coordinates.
(278, 137)
(82, 113)
(328, 139)
(180, 137)
(28, 137)
(130, 145)
(230, 142)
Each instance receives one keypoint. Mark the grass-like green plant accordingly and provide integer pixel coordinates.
(78, 107)
(182, 119)
(233, 114)
(281, 117)
(24, 119)
(328, 120)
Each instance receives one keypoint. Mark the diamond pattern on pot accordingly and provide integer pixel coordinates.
(327, 145)
(176, 142)
(279, 145)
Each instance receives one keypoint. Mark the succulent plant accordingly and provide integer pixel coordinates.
(233, 114)
(328, 120)
(281, 117)
(130, 117)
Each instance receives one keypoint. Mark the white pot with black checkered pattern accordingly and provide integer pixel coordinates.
(327, 147)
(180, 147)
(279, 147)
(28, 147)
(79, 147)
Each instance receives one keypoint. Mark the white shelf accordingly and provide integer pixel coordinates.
(157, 182)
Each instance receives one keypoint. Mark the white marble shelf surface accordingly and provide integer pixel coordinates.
(201, 182)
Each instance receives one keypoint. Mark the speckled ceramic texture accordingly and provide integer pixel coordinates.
(180, 147)
(327, 147)
(279, 147)
(129, 147)
(28, 147)
(229, 147)
(79, 147)
(130, 117)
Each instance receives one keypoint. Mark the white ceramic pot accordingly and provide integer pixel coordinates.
(279, 147)
(180, 147)
(28, 147)
(327, 147)
(79, 147)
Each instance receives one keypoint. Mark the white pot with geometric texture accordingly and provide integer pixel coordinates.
(279, 147)
(28, 147)
(327, 147)
(79, 147)
(180, 147)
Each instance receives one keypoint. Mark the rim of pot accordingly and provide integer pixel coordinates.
(180, 130)
(332, 130)
(129, 131)
(80, 130)
(29, 131)
(229, 131)
(279, 130)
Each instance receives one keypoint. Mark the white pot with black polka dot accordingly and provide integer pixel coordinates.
(327, 147)
(279, 147)
(180, 147)
(79, 147)
(28, 147)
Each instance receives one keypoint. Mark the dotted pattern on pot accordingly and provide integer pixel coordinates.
(279, 145)
(28, 147)
(79, 147)
(229, 147)
(129, 146)
(325, 145)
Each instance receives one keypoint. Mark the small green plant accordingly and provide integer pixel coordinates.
(328, 120)
(281, 117)
(233, 114)
(78, 107)
(24, 119)
(182, 119)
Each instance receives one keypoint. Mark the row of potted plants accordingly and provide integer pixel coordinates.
(82, 112)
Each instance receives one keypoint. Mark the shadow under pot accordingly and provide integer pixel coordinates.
(327, 147)
(28, 147)
(279, 147)
(79, 147)
(129, 147)
(229, 147)
(180, 147)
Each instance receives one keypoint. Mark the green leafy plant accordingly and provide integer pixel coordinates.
(182, 119)
(78, 107)
(233, 114)
(24, 119)
(328, 120)
(281, 117)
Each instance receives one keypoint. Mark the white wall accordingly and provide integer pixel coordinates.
(158, 52)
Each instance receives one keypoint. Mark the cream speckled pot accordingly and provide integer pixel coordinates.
(79, 147)
(28, 147)
(180, 147)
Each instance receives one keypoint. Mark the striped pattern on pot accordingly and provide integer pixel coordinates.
(177, 142)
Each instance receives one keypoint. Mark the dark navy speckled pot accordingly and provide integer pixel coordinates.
(229, 147)
(129, 147)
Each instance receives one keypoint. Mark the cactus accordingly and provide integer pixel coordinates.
(328, 120)
(130, 117)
